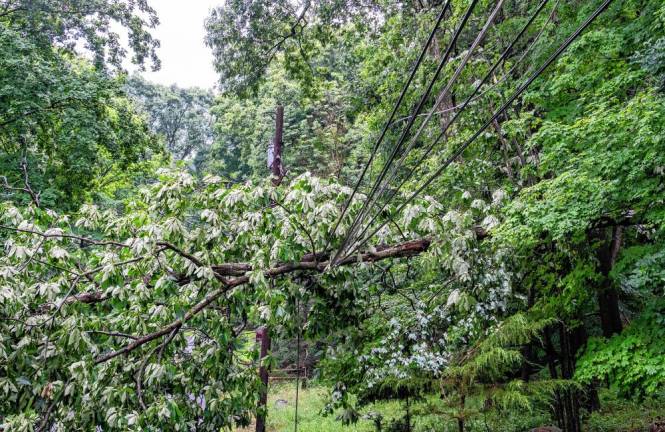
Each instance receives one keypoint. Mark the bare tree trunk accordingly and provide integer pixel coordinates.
(608, 297)
(551, 364)
(263, 337)
(460, 419)
(527, 350)
(570, 396)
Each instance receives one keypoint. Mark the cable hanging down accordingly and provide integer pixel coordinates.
(371, 201)
(510, 100)
(406, 130)
(462, 107)
(390, 119)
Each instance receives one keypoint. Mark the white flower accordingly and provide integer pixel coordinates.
(453, 298)
(490, 222)
(478, 204)
(498, 196)
(59, 253)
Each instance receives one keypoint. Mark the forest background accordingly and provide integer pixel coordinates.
(143, 237)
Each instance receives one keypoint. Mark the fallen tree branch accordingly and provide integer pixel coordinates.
(410, 248)
(86, 298)
(113, 334)
(180, 252)
(308, 262)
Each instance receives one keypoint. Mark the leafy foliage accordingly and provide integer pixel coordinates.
(153, 268)
(67, 121)
(64, 23)
(632, 361)
(181, 117)
(128, 286)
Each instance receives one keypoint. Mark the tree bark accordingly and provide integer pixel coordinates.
(263, 338)
(570, 396)
(527, 350)
(551, 364)
(460, 419)
(607, 295)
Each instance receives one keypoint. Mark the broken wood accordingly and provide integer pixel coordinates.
(406, 249)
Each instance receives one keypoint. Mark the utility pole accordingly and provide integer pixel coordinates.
(263, 333)
(277, 167)
(263, 339)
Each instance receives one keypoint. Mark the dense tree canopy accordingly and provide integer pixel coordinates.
(181, 117)
(522, 273)
(66, 23)
(64, 123)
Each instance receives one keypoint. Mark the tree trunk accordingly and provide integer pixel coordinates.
(527, 350)
(607, 295)
(551, 364)
(570, 396)
(578, 340)
(460, 419)
(263, 338)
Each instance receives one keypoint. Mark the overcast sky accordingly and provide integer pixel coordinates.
(186, 61)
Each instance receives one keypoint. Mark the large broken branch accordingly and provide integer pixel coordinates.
(86, 297)
(407, 249)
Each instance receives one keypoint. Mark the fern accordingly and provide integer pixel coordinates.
(484, 370)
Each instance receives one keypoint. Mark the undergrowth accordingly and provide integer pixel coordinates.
(616, 415)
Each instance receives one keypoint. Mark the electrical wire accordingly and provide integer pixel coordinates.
(510, 100)
(392, 116)
(412, 142)
(463, 106)
(505, 75)
(356, 222)
(406, 130)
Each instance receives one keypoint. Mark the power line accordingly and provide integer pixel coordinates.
(412, 142)
(487, 76)
(406, 130)
(392, 116)
(510, 100)
(505, 74)
(356, 222)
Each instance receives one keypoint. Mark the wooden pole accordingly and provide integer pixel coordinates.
(263, 339)
(277, 167)
(263, 333)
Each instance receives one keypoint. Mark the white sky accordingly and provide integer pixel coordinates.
(186, 60)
